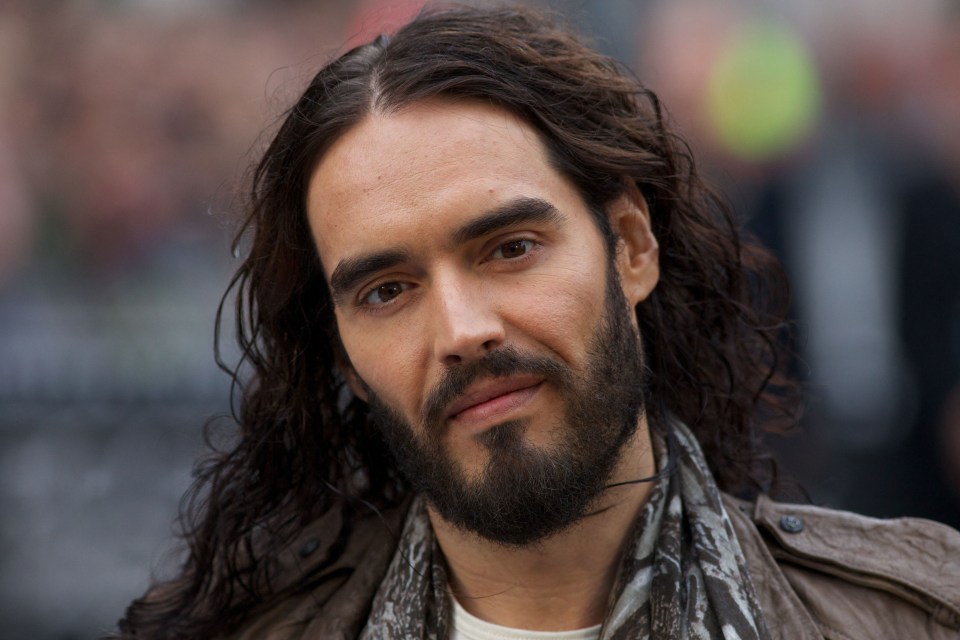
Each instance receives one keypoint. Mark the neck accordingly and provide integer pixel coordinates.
(560, 583)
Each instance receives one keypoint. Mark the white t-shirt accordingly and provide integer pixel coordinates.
(469, 627)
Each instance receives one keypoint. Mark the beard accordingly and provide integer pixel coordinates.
(526, 493)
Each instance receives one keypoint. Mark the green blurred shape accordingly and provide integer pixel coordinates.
(763, 96)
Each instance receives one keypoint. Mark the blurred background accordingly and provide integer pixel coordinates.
(126, 126)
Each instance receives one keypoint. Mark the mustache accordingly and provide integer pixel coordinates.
(499, 363)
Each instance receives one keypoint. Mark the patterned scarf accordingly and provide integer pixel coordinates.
(684, 576)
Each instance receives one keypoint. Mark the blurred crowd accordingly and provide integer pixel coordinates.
(836, 132)
(126, 125)
(121, 120)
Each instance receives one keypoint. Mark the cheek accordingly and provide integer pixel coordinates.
(565, 308)
(386, 363)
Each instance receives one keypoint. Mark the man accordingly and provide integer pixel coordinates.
(510, 359)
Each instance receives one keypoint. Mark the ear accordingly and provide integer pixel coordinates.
(342, 361)
(638, 254)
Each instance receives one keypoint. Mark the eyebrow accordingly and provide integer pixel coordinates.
(350, 272)
(518, 211)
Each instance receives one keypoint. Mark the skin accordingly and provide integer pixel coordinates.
(405, 184)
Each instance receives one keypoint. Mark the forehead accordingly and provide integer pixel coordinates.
(404, 175)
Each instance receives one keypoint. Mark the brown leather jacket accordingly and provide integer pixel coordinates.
(818, 573)
(821, 573)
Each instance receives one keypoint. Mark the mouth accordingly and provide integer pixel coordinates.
(492, 398)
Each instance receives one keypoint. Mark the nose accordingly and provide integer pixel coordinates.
(466, 325)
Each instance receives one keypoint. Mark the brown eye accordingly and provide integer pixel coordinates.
(512, 249)
(384, 293)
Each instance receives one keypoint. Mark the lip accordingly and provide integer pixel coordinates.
(493, 396)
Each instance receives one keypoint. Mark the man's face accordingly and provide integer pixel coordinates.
(483, 318)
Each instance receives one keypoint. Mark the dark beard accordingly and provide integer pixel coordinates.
(527, 493)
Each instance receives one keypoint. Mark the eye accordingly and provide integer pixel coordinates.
(512, 249)
(384, 293)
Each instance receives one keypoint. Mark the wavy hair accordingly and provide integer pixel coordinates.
(711, 328)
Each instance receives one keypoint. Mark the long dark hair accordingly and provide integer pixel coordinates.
(711, 328)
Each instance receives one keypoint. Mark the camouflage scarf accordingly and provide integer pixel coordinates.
(683, 577)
